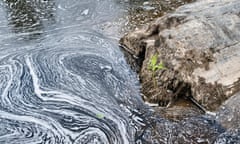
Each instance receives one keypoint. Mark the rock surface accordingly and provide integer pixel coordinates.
(229, 137)
(229, 113)
(193, 130)
(199, 44)
(228, 116)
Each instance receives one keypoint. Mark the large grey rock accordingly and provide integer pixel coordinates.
(229, 113)
(199, 45)
(228, 116)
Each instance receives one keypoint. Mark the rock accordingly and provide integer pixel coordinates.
(229, 137)
(194, 130)
(228, 116)
(229, 113)
(199, 45)
(182, 109)
(198, 130)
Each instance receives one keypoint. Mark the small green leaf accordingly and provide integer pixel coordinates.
(100, 116)
(153, 60)
(160, 66)
(153, 66)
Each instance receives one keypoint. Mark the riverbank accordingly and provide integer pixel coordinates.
(198, 45)
(195, 54)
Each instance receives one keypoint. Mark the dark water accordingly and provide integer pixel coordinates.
(63, 77)
(64, 80)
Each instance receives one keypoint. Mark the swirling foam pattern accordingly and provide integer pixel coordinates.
(62, 79)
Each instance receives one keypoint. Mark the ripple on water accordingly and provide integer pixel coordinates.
(68, 89)
(63, 80)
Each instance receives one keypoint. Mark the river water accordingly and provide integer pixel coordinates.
(63, 78)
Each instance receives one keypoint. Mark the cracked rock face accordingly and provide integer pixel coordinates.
(199, 45)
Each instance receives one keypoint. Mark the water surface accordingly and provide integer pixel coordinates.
(63, 78)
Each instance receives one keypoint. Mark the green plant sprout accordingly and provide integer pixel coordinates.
(154, 66)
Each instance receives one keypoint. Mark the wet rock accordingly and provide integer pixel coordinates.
(190, 130)
(182, 109)
(229, 137)
(199, 44)
(228, 116)
(229, 113)
(141, 12)
(198, 130)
